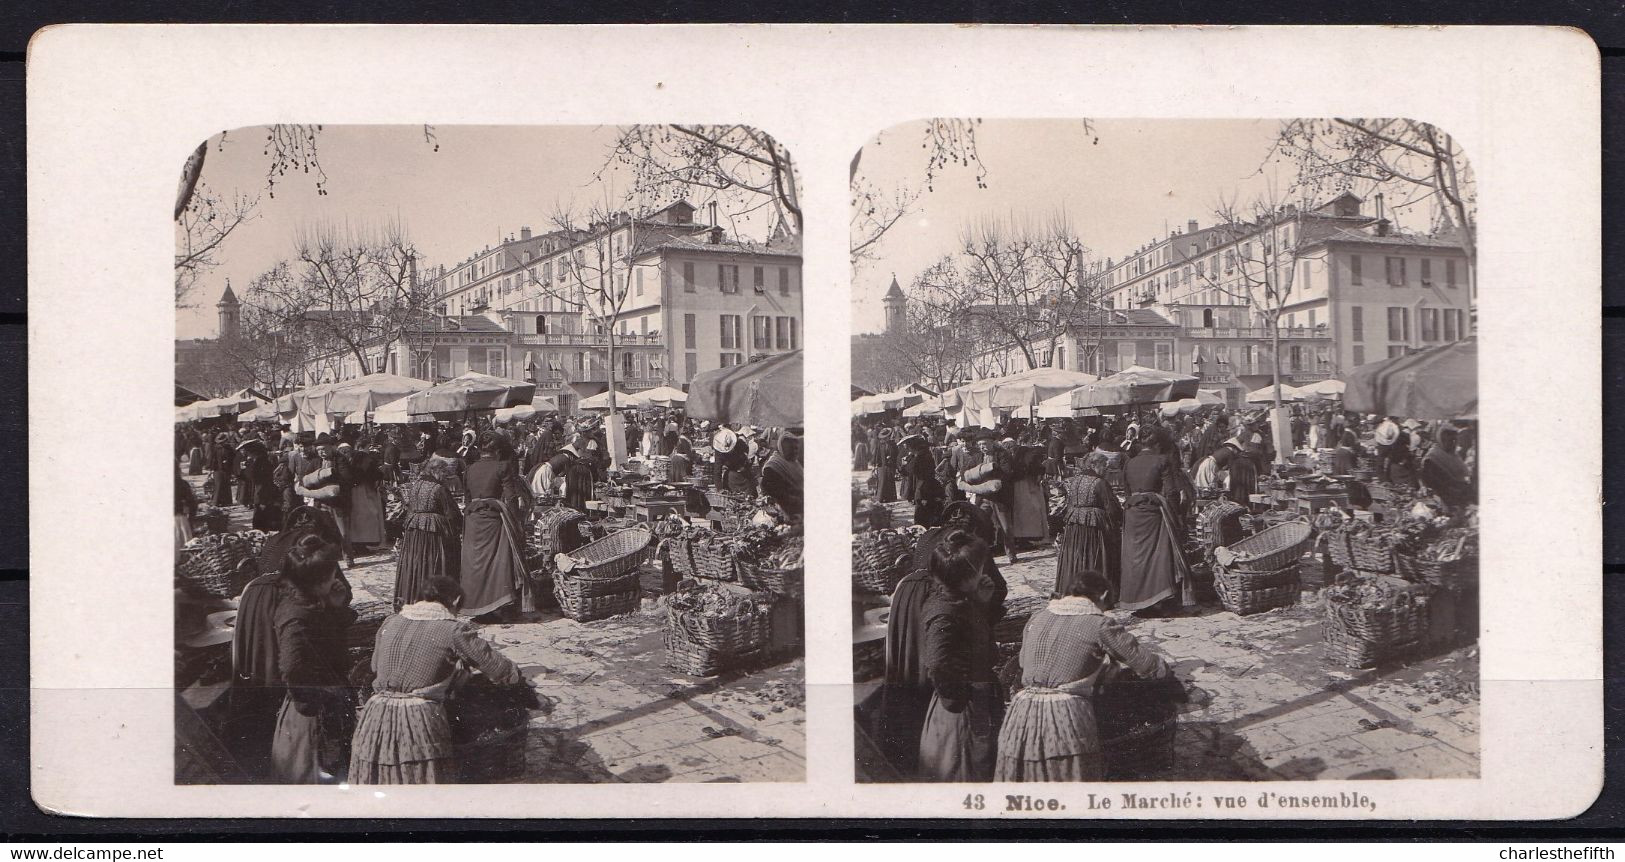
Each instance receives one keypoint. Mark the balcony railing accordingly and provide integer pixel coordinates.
(1261, 333)
(1228, 373)
(588, 339)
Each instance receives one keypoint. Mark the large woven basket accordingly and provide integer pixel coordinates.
(679, 551)
(1359, 551)
(780, 582)
(879, 549)
(1271, 550)
(1245, 593)
(881, 580)
(612, 556)
(1454, 575)
(1217, 521)
(739, 633)
(713, 560)
(696, 660)
(1360, 636)
(585, 601)
(1017, 611)
(555, 529)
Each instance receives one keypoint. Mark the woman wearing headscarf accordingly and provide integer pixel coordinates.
(781, 477)
(259, 487)
(224, 464)
(1347, 458)
(681, 466)
(1242, 483)
(366, 499)
(925, 491)
(1029, 508)
(959, 738)
(185, 510)
(1090, 543)
(403, 735)
(429, 546)
(1154, 568)
(311, 617)
(885, 475)
(194, 455)
(1445, 474)
(860, 448)
(906, 696)
(493, 567)
(1050, 731)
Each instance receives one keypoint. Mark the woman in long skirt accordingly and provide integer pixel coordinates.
(1154, 566)
(1090, 542)
(366, 521)
(311, 617)
(224, 464)
(429, 546)
(403, 736)
(1050, 732)
(885, 476)
(493, 557)
(959, 739)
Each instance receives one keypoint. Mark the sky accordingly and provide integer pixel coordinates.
(484, 183)
(1140, 180)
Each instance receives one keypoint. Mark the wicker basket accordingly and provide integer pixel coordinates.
(1454, 575)
(696, 660)
(708, 472)
(780, 582)
(879, 549)
(584, 600)
(1017, 611)
(1359, 551)
(1271, 550)
(224, 566)
(556, 529)
(713, 560)
(1142, 752)
(1360, 636)
(679, 551)
(1215, 520)
(612, 556)
(881, 580)
(1245, 593)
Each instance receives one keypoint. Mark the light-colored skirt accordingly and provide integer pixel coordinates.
(1049, 736)
(402, 740)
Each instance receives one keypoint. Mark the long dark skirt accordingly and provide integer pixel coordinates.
(492, 566)
(860, 456)
(1086, 549)
(194, 462)
(423, 555)
(1153, 563)
(899, 722)
(222, 489)
(964, 745)
(885, 485)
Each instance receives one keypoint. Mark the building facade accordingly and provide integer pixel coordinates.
(543, 308)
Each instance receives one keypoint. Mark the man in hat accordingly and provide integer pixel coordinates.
(734, 459)
(333, 470)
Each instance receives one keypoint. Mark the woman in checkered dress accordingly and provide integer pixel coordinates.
(403, 735)
(1050, 731)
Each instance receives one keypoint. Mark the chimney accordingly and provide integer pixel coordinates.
(715, 236)
(712, 206)
(1190, 226)
(1382, 227)
(524, 232)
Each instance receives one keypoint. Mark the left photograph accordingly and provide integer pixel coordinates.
(488, 456)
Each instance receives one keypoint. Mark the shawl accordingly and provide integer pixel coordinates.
(905, 631)
(253, 640)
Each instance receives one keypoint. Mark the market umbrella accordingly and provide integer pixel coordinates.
(1266, 395)
(663, 396)
(1324, 389)
(1439, 383)
(471, 391)
(1135, 385)
(397, 413)
(886, 401)
(984, 399)
(928, 407)
(601, 401)
(362, 394)
(265, 412)
(1204, 398)
(525, 411)
(766, 392)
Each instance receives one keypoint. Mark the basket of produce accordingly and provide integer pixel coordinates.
(221, 564)
(608, 558)
(1362, 547)
(489, 726)
(1244, 592)
(1268, 551)
(658, 467)
(1017, 611)
(1138, 720)
(708, 472)
(1448, 561)
(879, 558)
(1374, 619)
(713, 627)
(780, 571)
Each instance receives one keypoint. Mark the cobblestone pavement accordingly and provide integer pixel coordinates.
(620, 715)
(1267, 704)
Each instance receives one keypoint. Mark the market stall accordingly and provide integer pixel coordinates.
(988, 402)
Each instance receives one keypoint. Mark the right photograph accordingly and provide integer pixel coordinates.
(1163, 449)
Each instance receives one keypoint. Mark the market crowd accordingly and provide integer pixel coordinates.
(452, 500)
(1117, 495)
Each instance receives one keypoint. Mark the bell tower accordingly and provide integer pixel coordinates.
(896, 306)
(230, 314)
